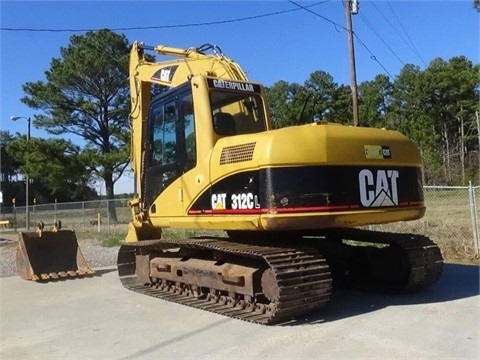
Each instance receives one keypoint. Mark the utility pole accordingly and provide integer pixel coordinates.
(27, 179)
(351, 7)
(478, 137)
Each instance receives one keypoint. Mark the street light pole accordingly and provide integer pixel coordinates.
(27, 180)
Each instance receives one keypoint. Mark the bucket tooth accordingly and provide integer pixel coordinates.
(44, 276)
(53, 276)
(71, 273)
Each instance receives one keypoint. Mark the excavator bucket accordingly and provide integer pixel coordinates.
(50, 255)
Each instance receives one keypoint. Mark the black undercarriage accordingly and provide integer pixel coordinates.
(269, 278)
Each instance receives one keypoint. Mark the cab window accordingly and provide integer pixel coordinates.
(164, 140)
(237, 113)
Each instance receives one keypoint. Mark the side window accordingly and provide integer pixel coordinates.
(189, 131)
(164, 140)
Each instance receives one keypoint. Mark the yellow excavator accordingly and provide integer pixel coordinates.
(292, 203)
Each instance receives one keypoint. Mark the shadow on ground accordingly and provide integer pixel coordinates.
(457, 282)
(103, 271)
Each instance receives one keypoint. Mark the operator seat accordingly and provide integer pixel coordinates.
(224, 123)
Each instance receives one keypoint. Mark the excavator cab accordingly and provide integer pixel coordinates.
(50, 255)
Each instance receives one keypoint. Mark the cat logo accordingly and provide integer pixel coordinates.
(377, 151)
(378, 188)
(165, 74)
(219, 201)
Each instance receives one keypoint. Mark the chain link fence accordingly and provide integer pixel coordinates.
(451, 219)
(98, 215)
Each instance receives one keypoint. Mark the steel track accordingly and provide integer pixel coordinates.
(302, 276)
(423, 261)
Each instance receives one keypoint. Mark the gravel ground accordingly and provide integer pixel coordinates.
(97, 256)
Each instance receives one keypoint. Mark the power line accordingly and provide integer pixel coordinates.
(405, 31)
(390, 23)
(372, 56)
(337, 25)
(381, 39)
(409, 44)
(167, 26)
(299, 7)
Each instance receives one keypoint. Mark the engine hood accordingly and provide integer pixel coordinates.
(315, 144)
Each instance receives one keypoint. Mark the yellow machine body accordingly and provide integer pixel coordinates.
(202, 184)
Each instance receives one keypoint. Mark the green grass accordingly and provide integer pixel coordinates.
(113, 240)
(116, 236)
(106, 239)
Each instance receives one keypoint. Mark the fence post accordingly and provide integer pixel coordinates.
(473, 213)
(83, 214)
(108, 215)
(33, 211)
(14, 217)
(55, 212)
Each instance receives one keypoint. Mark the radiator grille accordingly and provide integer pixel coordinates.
(237, 153)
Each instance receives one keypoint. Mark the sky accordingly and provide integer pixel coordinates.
(271, 40)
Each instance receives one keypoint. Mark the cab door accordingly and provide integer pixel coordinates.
(170, 151)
